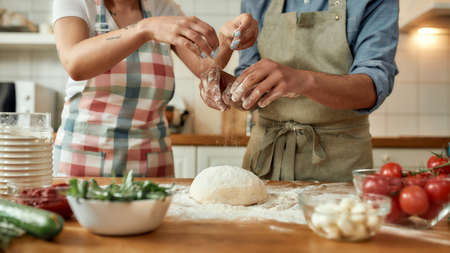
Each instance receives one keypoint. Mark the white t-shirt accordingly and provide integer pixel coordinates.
(87, 10)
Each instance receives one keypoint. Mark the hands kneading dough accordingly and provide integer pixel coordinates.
(228, 185)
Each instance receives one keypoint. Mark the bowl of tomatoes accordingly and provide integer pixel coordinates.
(419, 198)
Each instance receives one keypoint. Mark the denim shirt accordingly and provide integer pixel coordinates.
(372, 34)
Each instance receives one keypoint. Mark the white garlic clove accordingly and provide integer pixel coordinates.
(358, 218)
(321, 220)
(360, 232)
(373, 221)
(345, 225)
(332, 232)
(346, 204)
(359, 208)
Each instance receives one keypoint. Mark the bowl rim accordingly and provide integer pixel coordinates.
(78, 199)
(380, 211)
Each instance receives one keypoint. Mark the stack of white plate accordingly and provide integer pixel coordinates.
(25, 160)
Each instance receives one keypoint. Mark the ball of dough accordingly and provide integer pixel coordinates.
(228, 185)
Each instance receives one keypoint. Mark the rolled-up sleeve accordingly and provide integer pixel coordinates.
(374, 47)
(251, 55)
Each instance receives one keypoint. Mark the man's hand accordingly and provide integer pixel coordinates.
(266, 81)
(210, 89)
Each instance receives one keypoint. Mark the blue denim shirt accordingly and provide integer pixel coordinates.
(372, 33)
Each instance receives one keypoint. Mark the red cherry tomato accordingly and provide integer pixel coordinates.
(438, 190)
(418, 179)
(414, 200)
(432, 212)
(396, 215)
(435, 161)
(375, 184)
(391, 170)
(394, 184)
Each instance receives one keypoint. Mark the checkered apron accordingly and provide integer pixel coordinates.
(117, 122)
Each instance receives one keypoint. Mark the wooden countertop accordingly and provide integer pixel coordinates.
(378, 142)
(225, 236)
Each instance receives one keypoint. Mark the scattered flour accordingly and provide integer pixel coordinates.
(281, 205)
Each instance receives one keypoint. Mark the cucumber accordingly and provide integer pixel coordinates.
(36, 222)
(11, 230)
(8, 231)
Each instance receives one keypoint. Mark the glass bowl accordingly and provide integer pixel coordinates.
(51, 198)
(335, 212)
(369, 181)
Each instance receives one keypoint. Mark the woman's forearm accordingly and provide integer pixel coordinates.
(84, 58)
(356, 91)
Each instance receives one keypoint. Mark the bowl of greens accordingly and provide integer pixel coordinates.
(118, 209)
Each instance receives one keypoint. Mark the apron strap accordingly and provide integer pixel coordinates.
(275, 7)
(101, 24)
(279, 147)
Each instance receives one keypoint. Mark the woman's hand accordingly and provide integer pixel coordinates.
(239, 33)
(266, 81)
(188, 32)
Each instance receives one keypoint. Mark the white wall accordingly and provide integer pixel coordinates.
(419, 105)
(420, 102)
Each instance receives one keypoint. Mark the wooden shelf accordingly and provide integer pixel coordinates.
(27, 40)
(377, 142)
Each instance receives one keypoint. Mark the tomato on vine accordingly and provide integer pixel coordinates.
(414, 200)
(437, 160)
(391, 170)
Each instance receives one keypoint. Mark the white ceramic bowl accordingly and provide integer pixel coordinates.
(119, 218)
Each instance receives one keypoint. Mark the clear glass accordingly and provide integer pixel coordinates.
(327, 214)
(26, 144)
(410, 221)
(25, 125)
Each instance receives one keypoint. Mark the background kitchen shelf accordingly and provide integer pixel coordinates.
(27, 40)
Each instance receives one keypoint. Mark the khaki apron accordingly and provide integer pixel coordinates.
(298, 138)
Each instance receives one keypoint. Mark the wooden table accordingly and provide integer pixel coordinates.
(225, 236)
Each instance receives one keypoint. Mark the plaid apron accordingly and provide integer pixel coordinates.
(117, 122)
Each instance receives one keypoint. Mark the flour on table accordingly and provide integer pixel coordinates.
(281, 205)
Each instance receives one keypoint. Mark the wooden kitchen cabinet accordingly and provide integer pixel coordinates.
(185, 161)
(214, 156)
(190, 160)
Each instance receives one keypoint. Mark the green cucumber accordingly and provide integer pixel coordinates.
(36, 222)
(11, 230)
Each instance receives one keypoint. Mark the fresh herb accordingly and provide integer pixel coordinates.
(129, 190)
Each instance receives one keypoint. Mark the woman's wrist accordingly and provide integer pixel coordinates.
(144, 29)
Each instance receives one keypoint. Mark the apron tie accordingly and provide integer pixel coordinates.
(279, 146)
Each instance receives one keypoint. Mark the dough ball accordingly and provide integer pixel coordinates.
(228, 185)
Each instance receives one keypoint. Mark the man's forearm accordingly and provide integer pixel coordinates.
(351, 92)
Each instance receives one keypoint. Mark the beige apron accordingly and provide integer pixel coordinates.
(300, 139)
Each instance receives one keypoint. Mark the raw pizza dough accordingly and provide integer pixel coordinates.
(228, 185)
